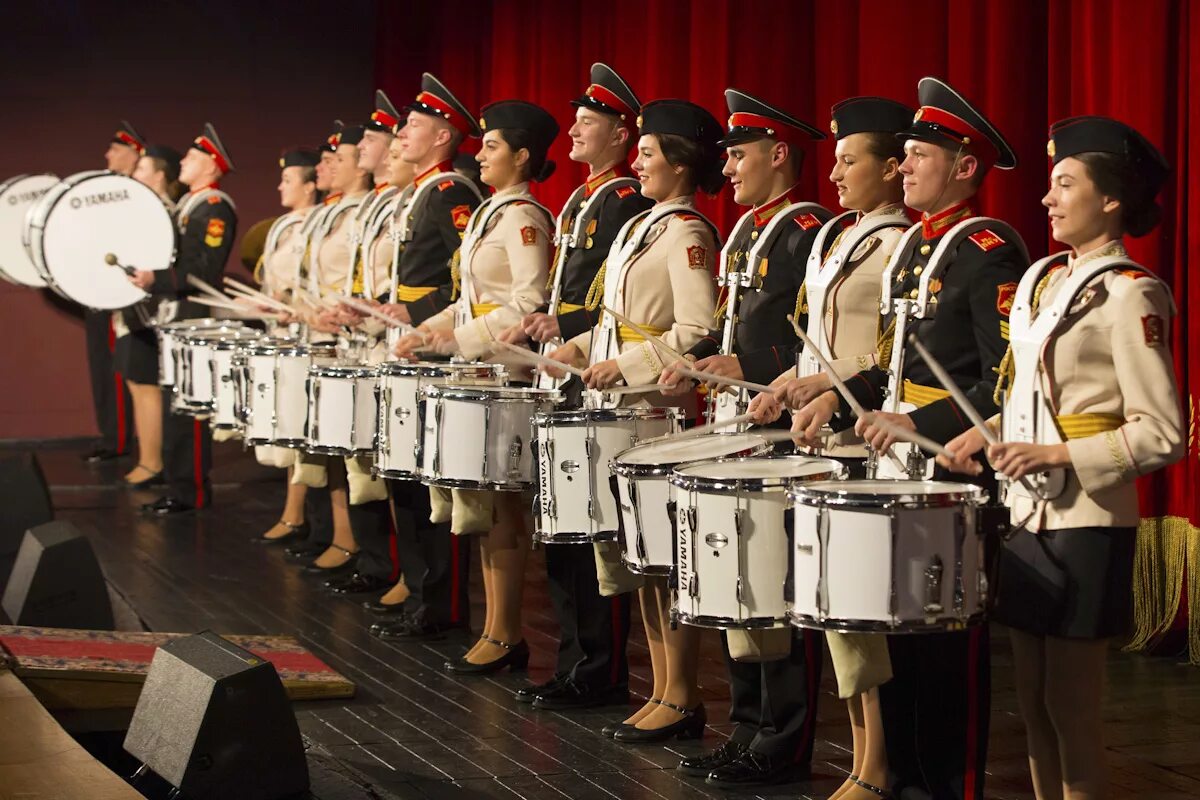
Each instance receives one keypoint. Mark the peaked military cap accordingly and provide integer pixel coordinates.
(385, 117)
(1075, 135)
(541, 126)
(209, 142)
(331, 141)
(168, 155)
(349, 135)
(946, 117)
(128, 135)
(299, 158)
(869, 115)
(751, 119)
(681, 118)
(438, 101)
(608, 93)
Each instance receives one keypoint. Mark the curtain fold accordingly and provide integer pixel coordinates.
(1026, 63)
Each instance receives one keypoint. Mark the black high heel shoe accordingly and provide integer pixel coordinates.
(295, 530)
(155, 479)
(609, 731)
(336, 569)
(690, 727)
(516, 659)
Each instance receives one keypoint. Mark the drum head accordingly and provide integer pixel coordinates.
(17, 196)
(96, 216)
(777, 467)
(693, 448)
(879, 493)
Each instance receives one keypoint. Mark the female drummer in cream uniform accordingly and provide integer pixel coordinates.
(667, 287)
(501, 274)
(844, 323)
(277, 272)
(1092, 369)
(136, 351)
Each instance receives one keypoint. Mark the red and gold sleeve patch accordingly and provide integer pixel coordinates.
(625, 191)
(1005, 294)
(213, 199)
(1154, 330)
(807, 221)
(528, 235)
(986, 240)
(697, 257)
(214, 234)
(460, 215)
(444, 185)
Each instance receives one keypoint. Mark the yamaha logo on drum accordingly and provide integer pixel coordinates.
(26, 197)
(100, 198)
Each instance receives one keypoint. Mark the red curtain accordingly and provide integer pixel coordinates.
(1026, 63)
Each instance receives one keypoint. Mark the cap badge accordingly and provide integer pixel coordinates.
(833, 127)
(482, 124)
(920, 113)
(639, 120)
(1050, 148)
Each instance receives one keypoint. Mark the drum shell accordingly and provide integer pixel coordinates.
(343, 410)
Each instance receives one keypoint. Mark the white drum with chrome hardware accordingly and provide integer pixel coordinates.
(276, 390)
(732, 539)
(479, 437)
(644, 494)
(343, 411)
(897, 556)
(574, 449)
(226, 378)
(195, 390)
(170, 335)
(400, 384)
(17, 196)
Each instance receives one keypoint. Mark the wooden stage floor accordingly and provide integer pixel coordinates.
(415, 732)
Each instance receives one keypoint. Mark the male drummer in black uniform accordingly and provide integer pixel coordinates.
(207, 225)
(592, 668)
(435, 563)
(110, 398)
(774, 703)
(937, 705)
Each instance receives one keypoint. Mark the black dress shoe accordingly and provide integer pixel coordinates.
(295, 531)
(167, 506)
(304, 551)
(572, 694)
(527, 694)
(691, 726)
(609, 731)
(380, 607)
(329, 572)
(155, 479)
(357, 584)
(516, 659)
(701, 766)
(757, 769)
(410, 630)
(99, 454)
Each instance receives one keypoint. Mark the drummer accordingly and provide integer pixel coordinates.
(124, 150)
(866, 173)
(1064, 585)
(666, 285)
(207, 224)
(940, 682)
(592, 667)
(774, 703)
(502, 270)
(277, 269)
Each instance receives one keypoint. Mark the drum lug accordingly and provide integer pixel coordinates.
(933, 587)
(823, 563)
(487, 427)
(960, 536)
(437, 439)
(738, 517)
(639, 542)
(916, 463)
(314, 419)
(515, 448)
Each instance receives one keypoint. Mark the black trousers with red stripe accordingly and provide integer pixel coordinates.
(593, 630)
(110, 396)
(187, 456)
(936, 710)
(774, 703)
(435, 563)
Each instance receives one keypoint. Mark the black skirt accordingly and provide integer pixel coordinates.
(135, 356)
(1074, 583)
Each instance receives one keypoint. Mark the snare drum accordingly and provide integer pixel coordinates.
(479, 437)
(732, 539)
(644, 494)
(227, 366)
(196, 388)
(400, 384)
(342, 410)
(276, 394)
(170, 336)
(574, 448)
(894, 556)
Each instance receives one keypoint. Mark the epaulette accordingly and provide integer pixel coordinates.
(444, 185)
(213, 199)
(807, 221)
(1134, 273)
(986, 240)
(624, 191)
(689, 217)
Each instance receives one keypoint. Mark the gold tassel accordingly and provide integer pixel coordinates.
(357, 286)
(1193, 575)
(258, 269)
(801, 303)
(455, 273)
(595, 292)
(884, 345)
(553, 270)
(1164, 545)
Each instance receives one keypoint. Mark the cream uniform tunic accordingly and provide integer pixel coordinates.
(285, 251)
(333, 256)
(503, 277)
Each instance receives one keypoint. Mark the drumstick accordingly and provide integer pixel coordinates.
(206, 287)
(231, 306)
(701, 430)
(712, 377)
(363, 308)
(960, 397)
(636, 389)
(263, 300)
(536, 358)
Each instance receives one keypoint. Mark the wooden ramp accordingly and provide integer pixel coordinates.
(70, 670)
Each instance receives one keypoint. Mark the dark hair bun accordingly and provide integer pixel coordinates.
(1142, 217)
(547, 169)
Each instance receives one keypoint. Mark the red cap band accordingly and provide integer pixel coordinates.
(610, 99)
(449, 114)
(775, 128)
(205, 144)
(125, 138)
(383, 118)
(955, 124)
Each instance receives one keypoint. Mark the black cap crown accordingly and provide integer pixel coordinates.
(751, 119)
(541, 126)
(608, 93)
(349, 135)
(385, 117)
(209, 142)
(438, 101)
(947, 118)
(869, 115)
(128, 135)
(1089, 134)
(681, 118)
(299, 158)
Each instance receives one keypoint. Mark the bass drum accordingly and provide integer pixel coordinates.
(17, 196)
(79, 222)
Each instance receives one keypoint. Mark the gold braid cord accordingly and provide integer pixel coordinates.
(801, 303)
(884, 345)
(455, 274)
(595, 292)
(1007, 370)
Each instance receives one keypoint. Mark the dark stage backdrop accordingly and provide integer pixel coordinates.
(1025, 62)
(267, 74)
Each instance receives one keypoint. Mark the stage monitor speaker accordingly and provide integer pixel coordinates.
(214, 721)
(56, 581)
(24, 503)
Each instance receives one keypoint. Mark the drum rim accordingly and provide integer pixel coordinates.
(447, 391)
(729, 623)
(685, 481)
(437, 370)
(911, 627)
(584, 415)
(342, 371)
(305, 350)
(5, 186)
(832, 494)
(216, 335)
(204, 323)
(632, 469)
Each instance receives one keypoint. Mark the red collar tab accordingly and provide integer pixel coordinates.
(610, 99)
(383, 118)
(618, 170)
(934, 226)
(206, 144)
(382, 187)
(959, 130)
(445, 166)
(445, 110)
(333, 198)
(131, 141)
(769, 126)
(763, 213)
